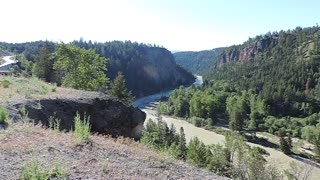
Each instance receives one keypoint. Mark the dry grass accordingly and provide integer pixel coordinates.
(21, 88)
(125, 158)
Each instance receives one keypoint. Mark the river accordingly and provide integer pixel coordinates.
(149, 106)
(7, 63)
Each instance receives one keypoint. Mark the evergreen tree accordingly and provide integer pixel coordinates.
(289, 140)
(237, 109)
(118, 89)
(43, 68)
(198, 153)
(285, 145)
(182, 144)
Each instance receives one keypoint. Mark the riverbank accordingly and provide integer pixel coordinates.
(6, 63)
(277, 158)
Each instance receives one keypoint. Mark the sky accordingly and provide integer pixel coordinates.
(178, 25)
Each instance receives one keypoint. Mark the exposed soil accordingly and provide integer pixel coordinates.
(102, 158)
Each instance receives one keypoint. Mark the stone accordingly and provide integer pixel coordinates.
(107, 115)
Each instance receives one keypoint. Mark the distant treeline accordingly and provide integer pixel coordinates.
(147, 68)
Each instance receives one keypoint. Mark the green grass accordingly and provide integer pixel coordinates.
(27, 86)
(82, 127)
(4, 118)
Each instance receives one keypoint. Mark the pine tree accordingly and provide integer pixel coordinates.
(43, 67)
(182, 144)
(118, 89)
(289, 140)
(197, 152)
(284, 145)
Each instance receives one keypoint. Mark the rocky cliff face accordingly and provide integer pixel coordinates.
(148, 69)
(248, 51)
(158, 72)
(107, 115)
(203, 62)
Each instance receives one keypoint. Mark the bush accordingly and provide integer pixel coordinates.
(164, 108)
(59, 172)
(82, 127)
(34, 170)
(199, 122)
(5, 83)
(4, 118)
(54, 123)
(54, 87)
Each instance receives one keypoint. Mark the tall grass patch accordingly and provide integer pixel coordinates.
(82, 128)
(4, 117)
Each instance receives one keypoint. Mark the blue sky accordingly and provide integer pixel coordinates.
(174, 24)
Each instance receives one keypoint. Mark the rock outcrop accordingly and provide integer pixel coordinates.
(248, 51)
(107, 116)
(203, 62)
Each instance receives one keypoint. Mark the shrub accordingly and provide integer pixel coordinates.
(24, 114)
(34, 170)
(164, 108)
(199, 122)
(54, 87)
(5, 83)
(43, 89)
(4, 118)
(54, 123)
(82, 127)
(58, 172)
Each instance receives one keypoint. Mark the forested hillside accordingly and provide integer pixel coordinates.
(269, 83)
(147, 68)
(283, 68)
(197, 62)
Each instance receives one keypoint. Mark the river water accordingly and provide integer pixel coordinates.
(148, 101)
(149, 106)
(8, 61)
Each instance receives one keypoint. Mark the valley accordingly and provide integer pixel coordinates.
(144, 90)
(276, 158)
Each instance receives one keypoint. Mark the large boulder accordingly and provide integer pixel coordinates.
(107, 115)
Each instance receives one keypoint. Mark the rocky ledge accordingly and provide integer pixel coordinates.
(107, 115)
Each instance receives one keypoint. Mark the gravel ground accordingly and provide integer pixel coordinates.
(102, 158)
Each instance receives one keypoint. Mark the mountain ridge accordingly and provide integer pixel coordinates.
(147, 68)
